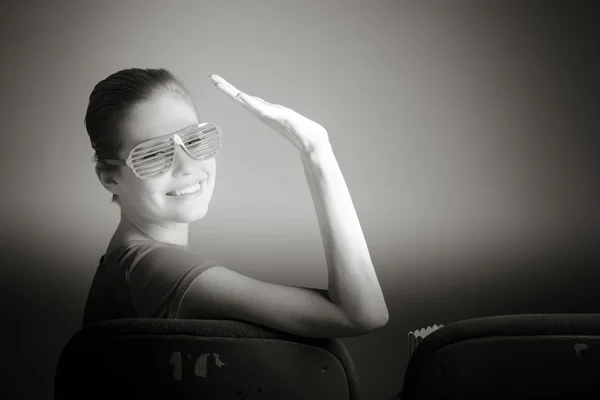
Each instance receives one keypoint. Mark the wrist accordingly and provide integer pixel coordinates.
(320, 162)
(317, 153)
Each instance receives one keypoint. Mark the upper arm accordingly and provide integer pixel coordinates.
(220, 293)
(159, 278)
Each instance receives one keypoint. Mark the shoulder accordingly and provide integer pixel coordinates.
(158, 275)
(163, 254)
(145, 251)
(145, 258)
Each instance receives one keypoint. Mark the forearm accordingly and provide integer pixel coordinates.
(352, 282)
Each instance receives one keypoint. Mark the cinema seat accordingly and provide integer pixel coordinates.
(201, 359)
(529, 356)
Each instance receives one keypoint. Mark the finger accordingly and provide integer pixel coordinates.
(223, 85)
(260, 106)
(255, 104)
(266, 103)
(227, 88)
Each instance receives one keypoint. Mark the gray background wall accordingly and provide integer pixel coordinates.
(466, 131)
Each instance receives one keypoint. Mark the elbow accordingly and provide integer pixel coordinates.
(381, 320)
(374, 321)
(379, 317)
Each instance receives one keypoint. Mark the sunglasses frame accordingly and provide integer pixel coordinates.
(177, 141)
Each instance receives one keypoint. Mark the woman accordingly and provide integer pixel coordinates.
(157, 159)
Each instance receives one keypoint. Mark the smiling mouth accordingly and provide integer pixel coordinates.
(188, 190)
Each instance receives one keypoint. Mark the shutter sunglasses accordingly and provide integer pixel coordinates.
(155, 157)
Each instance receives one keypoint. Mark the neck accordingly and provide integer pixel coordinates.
(136, 228)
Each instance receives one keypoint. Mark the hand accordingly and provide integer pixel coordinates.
(307, 135)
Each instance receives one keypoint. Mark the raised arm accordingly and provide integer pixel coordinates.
(355, 304)
(352, 282)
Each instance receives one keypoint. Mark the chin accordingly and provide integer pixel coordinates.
(188, 217)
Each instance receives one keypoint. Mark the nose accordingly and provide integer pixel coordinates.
(183, 164)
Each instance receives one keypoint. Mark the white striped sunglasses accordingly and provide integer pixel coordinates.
(155, 157)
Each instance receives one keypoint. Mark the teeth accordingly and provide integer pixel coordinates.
(190, 189)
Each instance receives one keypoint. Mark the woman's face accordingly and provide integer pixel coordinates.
(149, 199)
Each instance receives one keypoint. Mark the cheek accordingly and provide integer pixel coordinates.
(212, 168)
(150, 190)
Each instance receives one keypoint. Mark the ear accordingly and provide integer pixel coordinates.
(108, 178)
